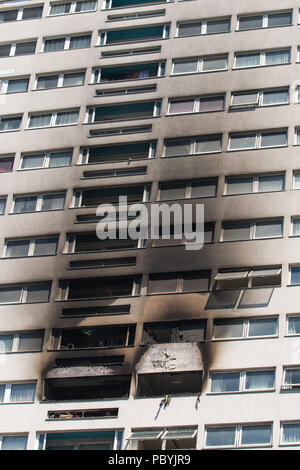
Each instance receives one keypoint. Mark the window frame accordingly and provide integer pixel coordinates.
(24, 290)
(53, 118)
(47, 160)
(64, 285)
(72, 8)
(203, 26)
(262, 58)
(67, 42)
(12, 116)
(102, 35)
(16, 340)
(201, 61)
(96, 73)
(242, 381)
(39, 201)
(13, 47)
(32, 244)
(4, 84)
(196, 105)
(8, 392)
(179, 276)
(260, 97)
(258, 139)
(265, 19)
(238, 435)
(20, 13)
(255, 183)
(246, 328)
(252, 229)
(60, 79)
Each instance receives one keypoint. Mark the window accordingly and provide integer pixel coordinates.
(131, 52)
(133, 16)
(267, 20)
(46, 160)
(94, 197)
(209, 230)
(260, 98)
(238, 435)
(96, 311)
(192, 146)
(174, 332)
(25, 294)
(295, 275)
(10, 123)
(143, 33)
(13, 85)
(118, 153)
(296, 180)
(260, 59)
(75, 289)
(53, 119)
(84, 414)
(17, 48)
(120, 131)
(186, 190)
(242, 381)
(79, 6)
(203, 104)
(243, 328)
(137, 110)
(109, 4)
(21, 14)
(68, 42)
(163, 439)
(232, 231)
(128, 72)
(290, 433)
(293, 325)
(17, 442)
(31, 247)
(140, 170)
(255, 277)
(291, 378)
(59, 80)
(6, 164)
(258, 140)
(211, 26)
(200, 64)
(41, 202)
(2, 205)
(17, 392)
(22, 341)
(254, 184)
(126, 91)
(89, 242)
(188, 281)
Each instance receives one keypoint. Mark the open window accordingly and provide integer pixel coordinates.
(163, 439)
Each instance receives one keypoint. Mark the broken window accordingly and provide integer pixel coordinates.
(165, 383)
(128, 72)
(174, 332)
(89, 288)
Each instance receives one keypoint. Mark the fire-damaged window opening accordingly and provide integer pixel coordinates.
(94, 337)
(163, 439)
(166, 383)
(89, 361)
(102, 263)
(96, 196)
(90, 288)
(244, 287)
(89, 242)
(87, 388)
(101, 310)
(188, 281)
(118, 153)
(83, 414)
(174, 332)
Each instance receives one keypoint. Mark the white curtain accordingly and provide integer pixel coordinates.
(277, 57)
(259, 380)
(19, 85)
(294, 325)
(22, 392)
(242, 141)
(68, 117)
(52, 45)
(9, 124)
(271, 183)
(292, 376)
(291, 433)
(33, 161)
(227, 382)
(40, 120)
(85, 6)
(6, 342)
(60, 159)
(14, 443)
(220, 436)
(80, 41)
(247, 60)
(73, 79)
(53, 202)
(60, 8)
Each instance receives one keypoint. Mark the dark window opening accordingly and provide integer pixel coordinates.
(100, 337)
(134, 34)
(105, 310)
(94, 197)
(175, 383)
(84, 414)
(174, 332)
(124, 111)
(129, 72)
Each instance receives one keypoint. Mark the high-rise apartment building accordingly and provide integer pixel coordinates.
(142, 344)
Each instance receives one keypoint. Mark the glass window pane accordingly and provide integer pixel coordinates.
(33, 161)
(10, 124)
(25, 48)
(233, 231)
(228, 328)
(204, 189)
(45, 246)
(5, 50)
(294, 325)
(30, 13)
(6, 343)
(275, 97)
(262, 327)
(2, 392)
(52, 45)
(40, 120)
(279, 19)
(60, 159)
(247, 60)
(10, 294)
(214, 63)
(245, 141)
(189, 29)
(25, 204)
(239, 185)
(256, 435)
(67, 117)
(85, 6)
(208, 144)
(182, 106)
(218, 26)
(72, 79)
(60, 8)
(292, 377)
(18, 85)
(177, 148)
(273, 139)
(6, 164)
(220, 436)
(277, 57)
(271, 183)
(10, 15)
(53, 202)
(215, 103)
(21, 393)
(185, 66)
(31, 341)
(78, 42)
(17, 248)
(225, 382)
(291, 433)
(244, 99)
(172, 191)
(193, 282)
(268, 229)
(49, 81)
(295, 275)
(250, 22)
(162, 283)
(296, 180)
(260, 380)
(38, 293)
(14, 443)
(2, 206)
